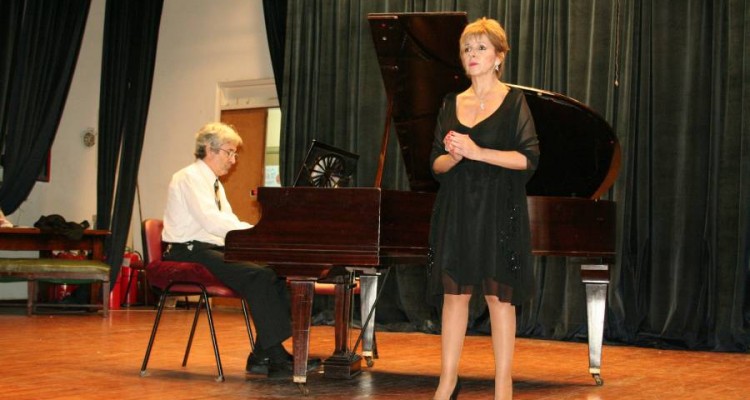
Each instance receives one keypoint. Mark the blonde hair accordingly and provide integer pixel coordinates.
(495, 33)
(212, 136)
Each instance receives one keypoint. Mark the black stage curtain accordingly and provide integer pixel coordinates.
(670, 77)
(274, 12)
(131, 31)
(39, 45)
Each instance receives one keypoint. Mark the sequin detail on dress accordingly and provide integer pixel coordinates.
(506, 236)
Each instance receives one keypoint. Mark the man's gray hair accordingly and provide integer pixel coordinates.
(212, 136)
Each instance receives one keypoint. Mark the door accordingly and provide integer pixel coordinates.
(247, 173)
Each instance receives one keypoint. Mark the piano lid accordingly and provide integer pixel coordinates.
(419, 60)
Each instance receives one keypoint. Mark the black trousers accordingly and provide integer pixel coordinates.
(266, 294)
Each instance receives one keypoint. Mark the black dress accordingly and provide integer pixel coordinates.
(480, 235)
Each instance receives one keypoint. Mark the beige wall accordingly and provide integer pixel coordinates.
(201, 43)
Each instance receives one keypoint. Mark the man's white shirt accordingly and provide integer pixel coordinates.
(191, 212)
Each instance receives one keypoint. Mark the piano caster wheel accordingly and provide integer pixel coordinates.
(598, 379)
(303, 389)
(370, 362)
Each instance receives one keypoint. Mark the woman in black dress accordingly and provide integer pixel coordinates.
(484, 152)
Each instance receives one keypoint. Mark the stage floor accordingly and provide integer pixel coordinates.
(84, 356)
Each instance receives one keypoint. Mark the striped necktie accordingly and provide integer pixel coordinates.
(216, 193)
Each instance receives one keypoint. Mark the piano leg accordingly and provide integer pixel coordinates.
(302, 291)
(368, 293)
(343, 363)
(596, 279)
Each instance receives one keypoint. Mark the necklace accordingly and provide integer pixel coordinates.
(486, 94)
(481, 98)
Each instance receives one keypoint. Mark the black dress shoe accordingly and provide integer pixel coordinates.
(257, 364)
(285, 369)
(259, 360)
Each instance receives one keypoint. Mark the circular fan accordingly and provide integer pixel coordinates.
(328, 171)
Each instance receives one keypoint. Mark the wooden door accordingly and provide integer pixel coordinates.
(247, 173)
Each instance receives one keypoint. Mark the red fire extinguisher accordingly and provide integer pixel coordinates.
(131, 265)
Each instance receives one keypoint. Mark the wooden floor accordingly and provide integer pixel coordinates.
(85, 356)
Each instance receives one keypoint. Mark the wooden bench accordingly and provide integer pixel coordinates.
(55, 270)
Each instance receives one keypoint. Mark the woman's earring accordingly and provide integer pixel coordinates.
(497, 67)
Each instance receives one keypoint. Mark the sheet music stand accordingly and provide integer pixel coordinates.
(327, 166)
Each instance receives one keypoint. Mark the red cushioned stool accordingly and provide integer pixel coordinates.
(174, 278)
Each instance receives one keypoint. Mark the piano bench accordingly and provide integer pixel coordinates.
(56, 270)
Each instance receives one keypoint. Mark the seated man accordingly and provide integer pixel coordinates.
(196, 221)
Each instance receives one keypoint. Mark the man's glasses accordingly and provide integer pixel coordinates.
(230, 153)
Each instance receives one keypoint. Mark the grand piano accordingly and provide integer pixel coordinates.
(313, 234)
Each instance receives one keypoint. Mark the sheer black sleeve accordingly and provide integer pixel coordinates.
(528, 142)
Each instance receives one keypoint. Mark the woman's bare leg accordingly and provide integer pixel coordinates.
(503, 320)
(455, 319)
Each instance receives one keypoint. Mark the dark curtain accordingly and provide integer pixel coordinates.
(40, 41)
(274, 13)
(683, 192)
(131, 31)
(670, 77)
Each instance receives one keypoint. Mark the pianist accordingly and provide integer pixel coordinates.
(196, 220)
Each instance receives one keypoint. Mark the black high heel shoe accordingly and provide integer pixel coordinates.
(456, 389)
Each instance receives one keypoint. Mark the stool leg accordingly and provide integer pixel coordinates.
(162, 301)
(220, 378)
(247, 324)
(192, 331)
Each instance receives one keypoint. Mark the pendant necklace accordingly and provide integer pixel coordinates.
(481, 99)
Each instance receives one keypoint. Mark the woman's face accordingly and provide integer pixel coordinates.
(479, 55)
